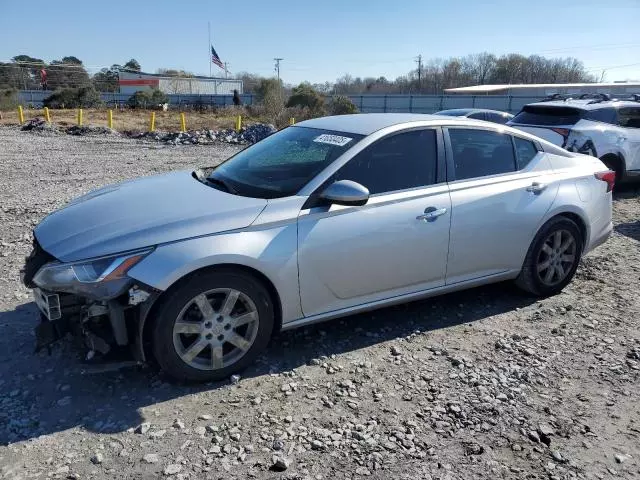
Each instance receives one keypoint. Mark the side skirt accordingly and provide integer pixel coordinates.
(498, 277)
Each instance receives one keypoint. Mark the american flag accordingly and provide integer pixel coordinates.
(215, 58)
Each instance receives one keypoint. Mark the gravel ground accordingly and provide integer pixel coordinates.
(483, 384)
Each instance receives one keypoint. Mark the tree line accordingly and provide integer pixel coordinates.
(438, 74)
(24, 72)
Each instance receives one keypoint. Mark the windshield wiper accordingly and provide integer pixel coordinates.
(221, 183)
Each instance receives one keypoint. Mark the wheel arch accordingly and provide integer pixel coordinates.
(147, 319)
(573, 214)
(615, 159)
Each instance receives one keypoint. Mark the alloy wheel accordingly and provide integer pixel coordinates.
(215, 329)
(556, 258)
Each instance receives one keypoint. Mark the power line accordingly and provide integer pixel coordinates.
(601, 46)
(612, 67)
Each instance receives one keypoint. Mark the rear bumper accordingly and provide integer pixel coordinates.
(598, 238)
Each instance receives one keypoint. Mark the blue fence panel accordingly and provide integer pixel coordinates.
(365, 103)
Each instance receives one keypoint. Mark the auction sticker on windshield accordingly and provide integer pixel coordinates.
(333, 139)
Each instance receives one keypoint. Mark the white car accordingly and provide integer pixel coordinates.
(595, 125)
(323, 219)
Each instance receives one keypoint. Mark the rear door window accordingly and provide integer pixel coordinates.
(629, 117)
(547, 115)
(479, 153)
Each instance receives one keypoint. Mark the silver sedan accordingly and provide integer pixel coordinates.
(332, 216)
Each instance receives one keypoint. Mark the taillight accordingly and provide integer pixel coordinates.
(609, 176)
(562, 131)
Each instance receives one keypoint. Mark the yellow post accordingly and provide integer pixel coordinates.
(79, 117)
(238, 123)
(20, 114)
(183, 123)
(110, 119)
(152, 122)
(292, 121)
(47, 117)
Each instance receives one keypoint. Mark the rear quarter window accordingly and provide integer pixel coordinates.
(629, 117)
(525, 151)
(605, 115)
(547, 115)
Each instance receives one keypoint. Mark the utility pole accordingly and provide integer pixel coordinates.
(419, 62)
(277, 67)
(602, 76)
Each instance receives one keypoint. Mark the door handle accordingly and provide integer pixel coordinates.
(431, 213)
(536, 188)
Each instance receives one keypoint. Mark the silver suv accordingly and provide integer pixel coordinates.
(593, 124)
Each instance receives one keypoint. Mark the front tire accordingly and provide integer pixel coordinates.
(552, 259)
(212, 325)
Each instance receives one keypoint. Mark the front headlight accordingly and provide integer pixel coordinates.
(101, 278)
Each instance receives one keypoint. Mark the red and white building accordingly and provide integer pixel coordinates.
(130, 82)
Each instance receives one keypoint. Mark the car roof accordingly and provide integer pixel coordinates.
(586, 104)
(465, 111)
(367, 123)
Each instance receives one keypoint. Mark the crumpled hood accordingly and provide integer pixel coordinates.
(141, 213)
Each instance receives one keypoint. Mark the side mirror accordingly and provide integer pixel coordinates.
(346, 192)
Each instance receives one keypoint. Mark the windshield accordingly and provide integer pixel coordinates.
(281, 164)
(547, 115)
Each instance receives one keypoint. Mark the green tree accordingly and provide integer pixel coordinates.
(132, 64)
(305, 96)
(22, 73)
(106, 80)
(67, 73)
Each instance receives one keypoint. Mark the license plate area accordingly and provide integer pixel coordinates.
(48, 304)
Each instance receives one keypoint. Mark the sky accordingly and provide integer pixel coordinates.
(322, 40)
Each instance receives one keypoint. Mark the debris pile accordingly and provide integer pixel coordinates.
(90, 130)
(39, 125)
(247, 135)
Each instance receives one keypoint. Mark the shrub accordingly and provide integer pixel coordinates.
(342, 105)
(297, 113)
(269, 95)
(158, 97)
(8, 99)
(305, 96)
(140, 99)
(73, 98)
(148, 99)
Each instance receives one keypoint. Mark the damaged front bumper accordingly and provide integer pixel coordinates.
(94, 301)
(107, 330)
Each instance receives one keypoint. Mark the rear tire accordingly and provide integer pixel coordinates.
(552, 259)
(213, 325)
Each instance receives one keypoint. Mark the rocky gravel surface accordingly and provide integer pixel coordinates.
(482, 384)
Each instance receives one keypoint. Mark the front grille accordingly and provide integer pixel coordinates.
(36, 259)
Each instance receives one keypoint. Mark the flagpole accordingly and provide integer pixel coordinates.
(209, 47)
